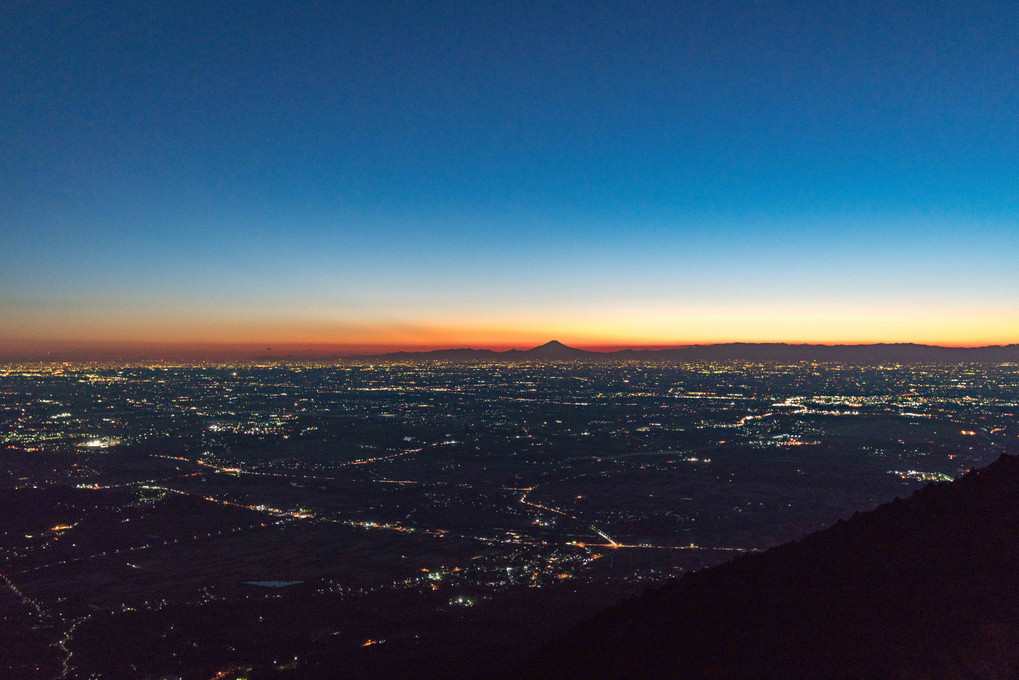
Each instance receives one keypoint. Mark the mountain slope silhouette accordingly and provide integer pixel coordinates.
(921, 588)
(735, 351)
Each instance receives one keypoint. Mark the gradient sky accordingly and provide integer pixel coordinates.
(501, 173)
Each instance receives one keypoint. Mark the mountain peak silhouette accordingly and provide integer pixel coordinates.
(554, 349)
(735, 351)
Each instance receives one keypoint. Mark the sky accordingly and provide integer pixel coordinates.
(381, 175)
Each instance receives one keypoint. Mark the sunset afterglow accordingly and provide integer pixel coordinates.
(332, 178)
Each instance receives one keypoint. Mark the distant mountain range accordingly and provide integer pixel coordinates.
(926, 587)
(736, 351)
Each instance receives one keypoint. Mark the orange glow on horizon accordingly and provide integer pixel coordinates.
(127, 350)
(225, 336)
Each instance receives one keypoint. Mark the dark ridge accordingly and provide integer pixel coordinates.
(903, 353)
(921, 588)
(557, 351)
(462, 354)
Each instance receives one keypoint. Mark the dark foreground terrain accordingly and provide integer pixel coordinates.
(926, 587)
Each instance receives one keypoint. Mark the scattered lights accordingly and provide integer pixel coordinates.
(756, 406)
(921, 476)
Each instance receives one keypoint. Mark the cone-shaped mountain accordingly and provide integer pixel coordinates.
(556, 350)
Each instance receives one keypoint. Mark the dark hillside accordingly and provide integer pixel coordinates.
(926, 587)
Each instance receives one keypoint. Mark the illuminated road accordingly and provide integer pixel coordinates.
(32, 604)
(237, 470)
(539, 506)
(649, 546)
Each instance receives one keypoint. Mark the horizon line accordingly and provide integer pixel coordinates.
(234, 351)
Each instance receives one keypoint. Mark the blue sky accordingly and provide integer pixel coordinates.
(501, 173)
